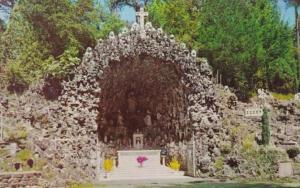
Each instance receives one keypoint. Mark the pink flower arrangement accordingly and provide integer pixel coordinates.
(141, 160)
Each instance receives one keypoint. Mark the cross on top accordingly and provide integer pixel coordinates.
(142, 14)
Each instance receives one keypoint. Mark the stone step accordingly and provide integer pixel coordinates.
(129, 168)
(146, 172)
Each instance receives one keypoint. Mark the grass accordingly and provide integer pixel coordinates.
(283, 97)
(85, 185)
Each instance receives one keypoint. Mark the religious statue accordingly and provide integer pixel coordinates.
(147, 119)
(131, 103)
(120, 119)
(121, 130)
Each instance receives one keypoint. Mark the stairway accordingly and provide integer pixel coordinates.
(129, 169)
(138, 173)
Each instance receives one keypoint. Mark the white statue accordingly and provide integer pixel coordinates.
(120, 119)
(131, 104)
(147, 119)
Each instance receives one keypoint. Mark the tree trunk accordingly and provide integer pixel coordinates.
(297, 38)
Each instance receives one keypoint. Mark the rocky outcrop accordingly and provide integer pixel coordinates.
(65, 130)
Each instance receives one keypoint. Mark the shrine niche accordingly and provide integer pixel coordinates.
(142, 96)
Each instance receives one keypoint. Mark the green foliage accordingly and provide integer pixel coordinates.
(178, 17)
(219, 163)
(113, 23)
(244, 40)
(249, 45)
(16, 134)
(265, 135)
(262, 162)
(50, 37)
(225, 148)
(293, 152)
(283, 97)
(79, 185)
(248, 144)
(3, 153)
(24, 155)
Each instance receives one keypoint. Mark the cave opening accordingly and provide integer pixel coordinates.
(143, 95)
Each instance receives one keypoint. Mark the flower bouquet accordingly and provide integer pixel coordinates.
(141, 160)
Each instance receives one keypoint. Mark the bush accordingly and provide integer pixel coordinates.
(174, 164)
(262, 163)
(247, 144)
(219, 163)
(108, 165)
(225, 148)
(265, 134)
(283, 97)
(293, 152)
(17, 134)
(24, 155)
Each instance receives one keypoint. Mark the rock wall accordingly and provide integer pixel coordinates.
(20, 179)
(65, 131)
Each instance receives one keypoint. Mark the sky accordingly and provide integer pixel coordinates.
(287, 13)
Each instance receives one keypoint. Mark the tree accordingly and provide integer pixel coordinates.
(115, 4)
(2, 26)
(178, 17)
(265, 134)
(249, 45)
(50, 37)
(296, 5)
(245, 41)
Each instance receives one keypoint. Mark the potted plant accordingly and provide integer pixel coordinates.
(108, 166)
(141, 160)
(174, 164)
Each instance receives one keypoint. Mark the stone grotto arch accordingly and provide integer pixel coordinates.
(146, 64)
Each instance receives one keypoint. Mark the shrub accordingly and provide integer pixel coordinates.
(24, 155)
(293, 152)
(265, 134)
(283, 97)
(262, 162)
(247, 144)
(234, 132)
(108, 165)
(174, 164)
(225, 148)
(16, 134)
(219, 163)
